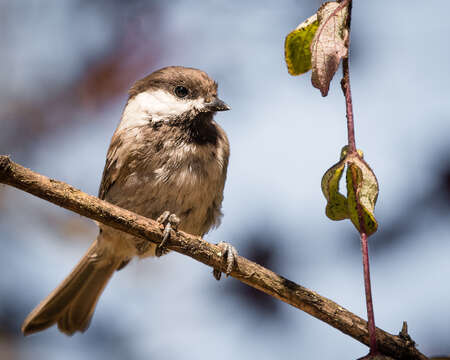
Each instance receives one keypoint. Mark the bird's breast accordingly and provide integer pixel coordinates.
(185, 179)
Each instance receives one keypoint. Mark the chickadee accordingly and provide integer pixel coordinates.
(168, 158)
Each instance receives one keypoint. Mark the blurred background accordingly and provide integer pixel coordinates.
(65, 70)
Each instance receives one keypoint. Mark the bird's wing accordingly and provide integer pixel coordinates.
(112, 168)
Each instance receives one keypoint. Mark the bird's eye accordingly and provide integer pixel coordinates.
(181, 91)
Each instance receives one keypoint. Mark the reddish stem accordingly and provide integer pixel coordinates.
(349, 106)
(345, 83)
(369, 302)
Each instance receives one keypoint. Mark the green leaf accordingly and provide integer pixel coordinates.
(329, 45)
(362, 194)
(297, 46)
(337, 207)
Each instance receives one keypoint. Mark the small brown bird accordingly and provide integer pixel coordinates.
(167, 156)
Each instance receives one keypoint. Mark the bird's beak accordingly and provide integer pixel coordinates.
(217, 105)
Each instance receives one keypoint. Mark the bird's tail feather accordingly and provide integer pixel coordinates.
(73, 302)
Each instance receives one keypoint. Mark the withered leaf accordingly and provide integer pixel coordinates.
(329, 44)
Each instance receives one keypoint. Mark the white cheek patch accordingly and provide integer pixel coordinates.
(156, 106)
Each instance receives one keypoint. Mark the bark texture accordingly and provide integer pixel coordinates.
(250, 273)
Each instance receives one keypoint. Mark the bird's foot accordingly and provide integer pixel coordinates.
(170, 222)
(229, 255)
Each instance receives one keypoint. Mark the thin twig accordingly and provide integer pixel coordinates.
(345, 83)
(368, 289)
(246, 271)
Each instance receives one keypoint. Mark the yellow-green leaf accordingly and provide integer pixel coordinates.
(337, 207)
(368, 193)
(362, 194)
(297, 46)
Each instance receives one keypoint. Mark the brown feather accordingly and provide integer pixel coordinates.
(72, 303)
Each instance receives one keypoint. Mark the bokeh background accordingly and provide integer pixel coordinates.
(65, 67)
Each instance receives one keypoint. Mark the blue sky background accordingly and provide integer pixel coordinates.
(65, 69)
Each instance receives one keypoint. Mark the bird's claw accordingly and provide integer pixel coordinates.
(170, 222)
(229, 255)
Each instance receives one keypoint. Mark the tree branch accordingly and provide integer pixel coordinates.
(195, 247)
